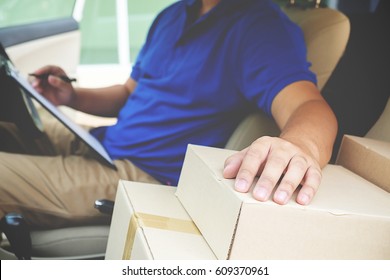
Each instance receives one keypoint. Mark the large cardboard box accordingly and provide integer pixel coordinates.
(369, 158)
(150, 223)
(349, 217)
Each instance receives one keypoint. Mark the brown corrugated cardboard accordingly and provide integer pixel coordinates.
(369, 158)
(381, 129)
(150, 223)
(349, 217)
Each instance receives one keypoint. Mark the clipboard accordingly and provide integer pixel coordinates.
(27, 92)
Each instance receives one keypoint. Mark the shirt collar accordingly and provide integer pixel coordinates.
(222, 7)
(190, 2)
(192, 8)
(227, 3)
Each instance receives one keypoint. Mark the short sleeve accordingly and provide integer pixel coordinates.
(272, 56)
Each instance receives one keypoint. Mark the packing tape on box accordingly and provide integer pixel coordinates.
(141, 220)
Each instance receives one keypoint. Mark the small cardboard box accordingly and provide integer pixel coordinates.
(150, 223)
(349, 217)
(369, 158)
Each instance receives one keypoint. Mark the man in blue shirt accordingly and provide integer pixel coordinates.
(205, 65)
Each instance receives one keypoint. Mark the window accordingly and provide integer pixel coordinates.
(141, 14)
(99, 35)
(111, 35)
(19, 12)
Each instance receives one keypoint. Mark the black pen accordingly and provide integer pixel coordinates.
(62, 77)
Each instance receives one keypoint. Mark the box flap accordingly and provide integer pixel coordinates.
(155, 200)
(343, 192)
(219, 210)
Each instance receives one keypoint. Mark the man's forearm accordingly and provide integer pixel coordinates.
(313, 128)
(295, 158)
(104, 102)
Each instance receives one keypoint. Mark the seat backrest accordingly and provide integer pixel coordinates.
(326, 32)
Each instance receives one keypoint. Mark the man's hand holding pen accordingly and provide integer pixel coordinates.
(53, 83)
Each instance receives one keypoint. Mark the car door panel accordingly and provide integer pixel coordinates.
(31, 46)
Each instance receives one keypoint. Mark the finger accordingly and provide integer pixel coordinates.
(39, 85)
(293, 176)
(36, 84)
(310, 185)
(49, 69)
(56, 81)
(38, 88)
(273, 170)
(232, 164)
(61, 88)
(253, 160)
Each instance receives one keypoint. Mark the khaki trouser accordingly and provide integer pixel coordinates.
(55, 184)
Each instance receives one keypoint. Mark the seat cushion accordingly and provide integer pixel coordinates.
(84, 242)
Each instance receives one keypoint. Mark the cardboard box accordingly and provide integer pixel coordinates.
(381, 129)
(369, 158)
(349, 217)
(150, 223)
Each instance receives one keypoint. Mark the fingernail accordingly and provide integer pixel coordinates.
(281, 197)
(260, 193)
(241, 185)
(304, 199)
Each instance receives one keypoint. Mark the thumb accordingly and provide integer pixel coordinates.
(56, 82)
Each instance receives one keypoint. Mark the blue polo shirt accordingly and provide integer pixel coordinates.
(197, 78)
